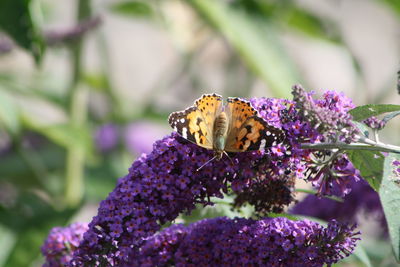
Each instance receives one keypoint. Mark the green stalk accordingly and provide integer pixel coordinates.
(370, 145)
(77, 100)
(117, 110)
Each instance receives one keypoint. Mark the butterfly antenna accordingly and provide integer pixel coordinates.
(208, 161)
(229, 158)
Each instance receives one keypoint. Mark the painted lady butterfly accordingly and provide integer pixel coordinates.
(233, 128)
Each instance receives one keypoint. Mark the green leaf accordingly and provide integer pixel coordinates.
(7, 239)
(132, 8)
(26, 248)
(362, 255)
(12, 82)
(370, 165)
(379, 250)
(221, 207)
(9, 112)
(362, 127)
(389, 193)
(288, 13)
(64, 135)
(306, 22)
(364, 112)
(311, 218)
(16, 20)
(390, 116)
(255, 40)
(284, 215)
(394, 5)
(98, 82)
(15, 170)
(31, 220)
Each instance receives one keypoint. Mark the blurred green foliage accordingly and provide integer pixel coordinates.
(49, 172)
(132, 8)
(17, 19)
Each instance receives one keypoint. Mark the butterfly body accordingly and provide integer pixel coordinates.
(220, 134)
(234, 127)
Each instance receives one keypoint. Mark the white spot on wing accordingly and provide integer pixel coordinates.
(268, 133)
(262, 145)
(175, 129)
(182, 120)
(184, 132)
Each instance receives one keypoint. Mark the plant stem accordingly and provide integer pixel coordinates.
(376, 135)
(313, 192)
(77, 99)
(366, 144)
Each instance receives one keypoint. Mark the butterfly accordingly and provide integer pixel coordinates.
(235, 127)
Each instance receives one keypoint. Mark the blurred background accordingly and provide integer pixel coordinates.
(86, 86)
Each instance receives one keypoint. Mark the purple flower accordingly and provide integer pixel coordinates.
(140, 136)
(238, 242)
(335, 177)
(327, 115)
(303, 121)
(157, 189)
(375, 123)
(61, 243)
(285, 159)
(107, 137)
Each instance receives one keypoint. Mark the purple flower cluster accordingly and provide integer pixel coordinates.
(363, 198)
(305, 120)
(331, 173)
(167, 182)
(329, 115)
(246, 242)
(334, 177)
(289, 159)
(157, 189)
(61, 243)
(375, 123)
